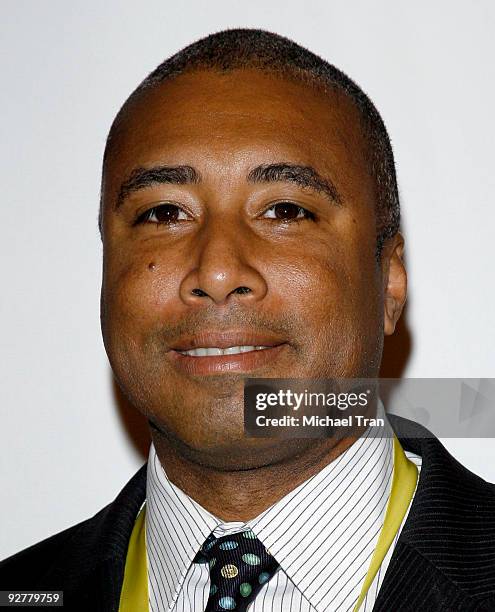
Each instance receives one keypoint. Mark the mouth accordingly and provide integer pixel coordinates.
(213, 353)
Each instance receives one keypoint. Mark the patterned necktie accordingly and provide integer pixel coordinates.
(239, 566)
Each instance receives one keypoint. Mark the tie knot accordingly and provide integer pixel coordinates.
(245, 541)
(239, 566)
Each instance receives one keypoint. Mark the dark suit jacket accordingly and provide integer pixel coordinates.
(444, 559)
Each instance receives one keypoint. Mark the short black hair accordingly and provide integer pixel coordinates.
(250, 48)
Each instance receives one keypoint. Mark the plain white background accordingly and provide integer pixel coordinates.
(66, 69)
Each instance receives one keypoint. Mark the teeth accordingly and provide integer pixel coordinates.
(212, 351)
(233, 350)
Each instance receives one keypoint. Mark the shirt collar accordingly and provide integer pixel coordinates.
(324, 532)
(176, 528)
(325, 528)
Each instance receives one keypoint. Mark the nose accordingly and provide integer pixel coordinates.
(224, 269)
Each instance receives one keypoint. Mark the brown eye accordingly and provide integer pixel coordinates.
(288, 211)
(164, 214)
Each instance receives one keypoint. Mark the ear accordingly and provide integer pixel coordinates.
(394, 282)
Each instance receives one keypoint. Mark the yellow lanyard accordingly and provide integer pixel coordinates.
(403, 487)
(134, 595)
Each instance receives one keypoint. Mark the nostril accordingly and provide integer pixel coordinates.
(242, 290)
(198, 292)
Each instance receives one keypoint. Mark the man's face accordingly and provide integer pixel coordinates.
(238, 212)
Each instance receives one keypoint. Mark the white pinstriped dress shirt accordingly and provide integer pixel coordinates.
(323, 534)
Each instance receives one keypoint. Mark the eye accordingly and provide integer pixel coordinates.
(163, 214)
(288, 211)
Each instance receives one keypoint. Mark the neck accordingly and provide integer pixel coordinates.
(242, 494)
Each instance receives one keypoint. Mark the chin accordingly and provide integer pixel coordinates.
(242, 454)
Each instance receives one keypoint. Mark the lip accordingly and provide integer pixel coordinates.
(216, 364)
(225, 339)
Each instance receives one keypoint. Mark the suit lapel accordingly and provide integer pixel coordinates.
(91, 565)
(443, 549)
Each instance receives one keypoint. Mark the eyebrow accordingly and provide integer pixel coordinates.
(140, 178)
(303, 176)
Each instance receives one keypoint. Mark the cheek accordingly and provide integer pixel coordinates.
(335, 293)
(313, 281)
(138, 298)
(141, 289)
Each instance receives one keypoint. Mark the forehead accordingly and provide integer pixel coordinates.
(232, 116)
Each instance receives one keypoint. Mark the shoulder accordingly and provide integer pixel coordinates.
(441, 471)
(74, 558)
(451, 522)
(34, 566)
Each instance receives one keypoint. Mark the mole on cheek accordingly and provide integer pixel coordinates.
(151, 266)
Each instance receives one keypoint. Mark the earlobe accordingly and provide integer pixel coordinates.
(394, 283)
